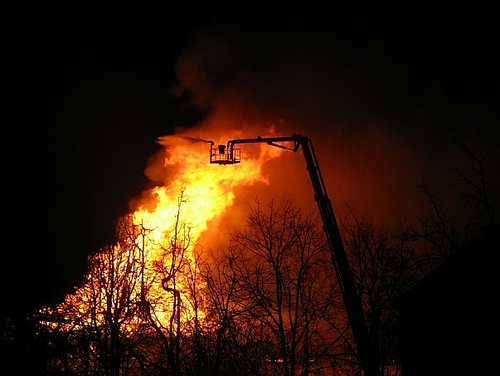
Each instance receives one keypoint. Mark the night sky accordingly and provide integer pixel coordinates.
(90, 90)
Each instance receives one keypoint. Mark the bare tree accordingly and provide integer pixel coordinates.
(230, 340)
(448, 225)
(101, 321)
(477, 180)
(139, 299)
(384, 265)
(439, 230)
(175, 314)
(285, 285)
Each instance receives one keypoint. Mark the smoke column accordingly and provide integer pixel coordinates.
(379, 119)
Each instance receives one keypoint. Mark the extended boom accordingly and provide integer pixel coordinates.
(224, 155)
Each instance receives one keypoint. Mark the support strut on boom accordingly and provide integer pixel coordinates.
(229, 154)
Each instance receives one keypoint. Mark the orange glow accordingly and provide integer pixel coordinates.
(163, 231)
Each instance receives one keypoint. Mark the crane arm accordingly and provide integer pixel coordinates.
(352, 301)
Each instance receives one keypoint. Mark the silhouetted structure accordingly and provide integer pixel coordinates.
(229, 155)
(448, 320)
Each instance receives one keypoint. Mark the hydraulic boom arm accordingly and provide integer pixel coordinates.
(230, 155)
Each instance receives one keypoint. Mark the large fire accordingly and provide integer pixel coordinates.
(155, 253)
(177, 281)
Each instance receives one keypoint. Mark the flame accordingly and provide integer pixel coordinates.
(163, 230)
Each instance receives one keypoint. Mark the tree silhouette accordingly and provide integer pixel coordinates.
(98, 318)
(285, 283)
(385, 266)
(463, 210)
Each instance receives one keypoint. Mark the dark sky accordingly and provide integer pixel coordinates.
(89, 91)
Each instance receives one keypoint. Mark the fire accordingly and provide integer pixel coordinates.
(157, 243)
(207, 191)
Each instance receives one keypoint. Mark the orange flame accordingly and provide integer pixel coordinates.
(173, 216)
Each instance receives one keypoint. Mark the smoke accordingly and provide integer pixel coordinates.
(382, 117)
